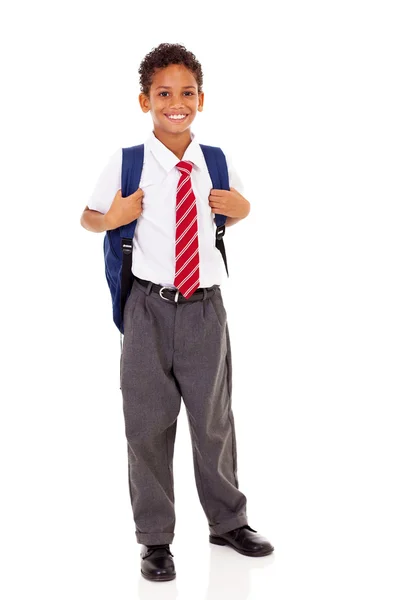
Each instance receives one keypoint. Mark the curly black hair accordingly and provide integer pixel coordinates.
(163, 56)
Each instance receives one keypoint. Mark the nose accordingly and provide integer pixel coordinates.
(176, 101)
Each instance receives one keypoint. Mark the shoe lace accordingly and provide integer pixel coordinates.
(236, 531)
(150, 549)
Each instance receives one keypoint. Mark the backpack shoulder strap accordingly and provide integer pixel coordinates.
(218, 169)
(132, 164)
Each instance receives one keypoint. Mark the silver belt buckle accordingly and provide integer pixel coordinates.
(165, 287)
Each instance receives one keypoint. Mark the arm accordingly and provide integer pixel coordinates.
(94, 215)
(232, 221)
(121, 212)
(230, 203)
(244, 210)
(92, 220)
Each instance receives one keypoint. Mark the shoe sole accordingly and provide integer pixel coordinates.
(167, 577)
(221, 542)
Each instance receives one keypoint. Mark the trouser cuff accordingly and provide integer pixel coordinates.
(225, 526)
(150, 539)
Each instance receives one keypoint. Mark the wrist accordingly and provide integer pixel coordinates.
(108, 222)
(246, 210)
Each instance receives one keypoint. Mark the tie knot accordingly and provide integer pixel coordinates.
(185, 166)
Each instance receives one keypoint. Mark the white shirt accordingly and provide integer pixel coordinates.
(153, 253)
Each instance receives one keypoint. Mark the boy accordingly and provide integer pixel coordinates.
(176, 339)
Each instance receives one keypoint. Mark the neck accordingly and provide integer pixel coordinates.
(176, 142)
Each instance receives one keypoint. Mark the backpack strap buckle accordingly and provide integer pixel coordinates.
(126, 245)
(220, 232)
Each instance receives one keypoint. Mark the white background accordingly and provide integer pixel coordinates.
(305, 95)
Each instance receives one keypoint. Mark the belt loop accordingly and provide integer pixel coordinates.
(204, 293)
(149, 286)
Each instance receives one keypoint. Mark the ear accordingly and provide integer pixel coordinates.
(144, 102)
(201, 102)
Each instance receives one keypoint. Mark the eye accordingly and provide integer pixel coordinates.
(161, 93)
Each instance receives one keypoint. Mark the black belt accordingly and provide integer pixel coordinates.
(169, 293)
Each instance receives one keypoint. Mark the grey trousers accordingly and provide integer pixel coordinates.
(173, 351)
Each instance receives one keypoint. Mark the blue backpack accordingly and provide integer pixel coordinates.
(118, 242)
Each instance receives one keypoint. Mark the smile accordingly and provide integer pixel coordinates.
(176, 118)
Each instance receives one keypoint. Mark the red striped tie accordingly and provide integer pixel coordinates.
(187, 271)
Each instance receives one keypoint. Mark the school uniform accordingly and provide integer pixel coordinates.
(175, 350)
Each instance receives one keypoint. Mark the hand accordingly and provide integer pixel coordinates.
(124, 210)
(229, 203)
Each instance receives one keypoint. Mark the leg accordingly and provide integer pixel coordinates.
(203, 368)
(151, 404)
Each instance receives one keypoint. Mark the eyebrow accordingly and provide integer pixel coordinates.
(168, 87)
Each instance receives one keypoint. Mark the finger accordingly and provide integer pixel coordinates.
(218, 193)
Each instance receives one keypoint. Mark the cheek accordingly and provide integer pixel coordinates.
(157, 103)
(158, 111)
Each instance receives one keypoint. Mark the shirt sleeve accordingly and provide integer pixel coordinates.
(108, 184)
(234, 179)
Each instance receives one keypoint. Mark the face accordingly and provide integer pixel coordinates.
(173, 91)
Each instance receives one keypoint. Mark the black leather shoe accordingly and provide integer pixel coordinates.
(244, 541)
(157, 564)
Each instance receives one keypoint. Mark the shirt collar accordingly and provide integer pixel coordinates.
(168, 160)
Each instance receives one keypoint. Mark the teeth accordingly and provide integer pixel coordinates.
(176, 116)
